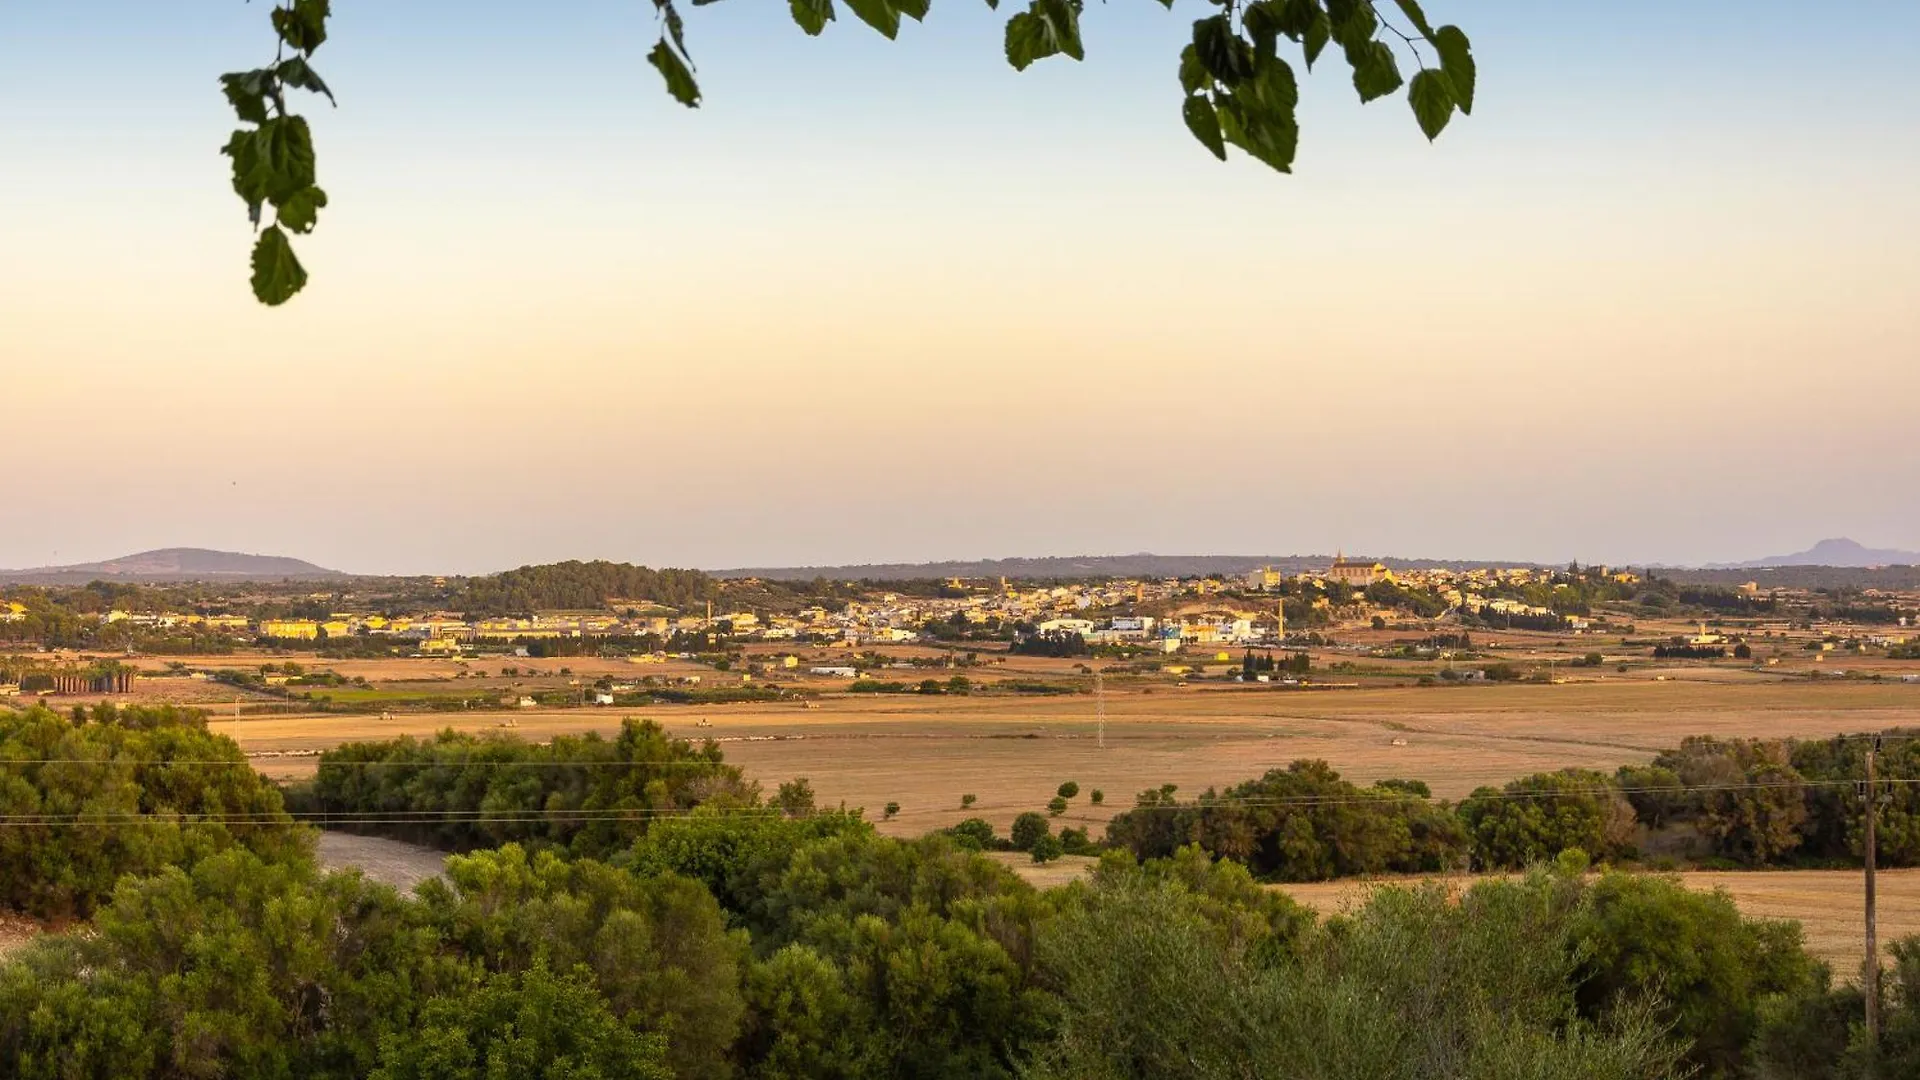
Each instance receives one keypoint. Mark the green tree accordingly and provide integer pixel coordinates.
(1028, 828)
(1710, 970)
(1056, 806)
(534, 1024)
(94, 799)
(1047, 849)
(1096, 796)
(1539, 816)
(1068, 790)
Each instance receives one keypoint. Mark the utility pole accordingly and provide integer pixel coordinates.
(1100, 708)
(1871, 972)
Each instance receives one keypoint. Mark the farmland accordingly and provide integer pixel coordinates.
(1011, 752)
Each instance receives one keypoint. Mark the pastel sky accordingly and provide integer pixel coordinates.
(1658, 299)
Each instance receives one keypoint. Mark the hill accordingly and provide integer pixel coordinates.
(1068, 567)
(176, 564)
(1838, 551)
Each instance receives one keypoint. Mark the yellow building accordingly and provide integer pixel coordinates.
(440, 646)
(290, 629)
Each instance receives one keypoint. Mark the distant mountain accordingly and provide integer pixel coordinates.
(1835, 552)
(176, 564)
(1143, 565)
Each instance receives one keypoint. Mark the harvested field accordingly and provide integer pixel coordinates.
(1011, 751)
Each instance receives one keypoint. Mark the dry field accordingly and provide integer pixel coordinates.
(1826, 903)
(925, 752)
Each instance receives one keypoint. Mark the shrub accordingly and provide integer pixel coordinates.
(1047, 848)
(1056, 806)
(1028, 828)
(1096, 796)
(1068, 790)
(968, 800)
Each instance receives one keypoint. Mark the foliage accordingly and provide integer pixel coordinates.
(1540, 816)
(1028, 828)
(1411, 985)
(1746, 796)
(124, 791)
(1301, 823)
(585, 792)
(535, 1024)
(1236, 87)
(1709, 969)
(238, 967)
(1068, 790)
(579, 585)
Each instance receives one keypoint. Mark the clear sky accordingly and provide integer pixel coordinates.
(1658, 299)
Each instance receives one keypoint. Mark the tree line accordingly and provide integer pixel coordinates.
(744, 936)
(1737, 802)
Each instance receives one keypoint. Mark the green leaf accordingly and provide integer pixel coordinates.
(1352, 22)
(1194, 76)
(676, 29)
(1261, 21)
(301, 210)
(1417, 17)
(1272, 88)
(913, 9)
(1270, 138)
(1219, 48)
(246, 95)
(812, 15)
(1293, 17)
(252, 176)
(277, 275)
(879, 14)
(1456, 60)
(1063, 22)
(1204, 123)
(674, 70)
(1432, 102)
(1374, 72)
(286, 148)
(1027, 40)
(1315, 39)
(297, 73)
(302, 26)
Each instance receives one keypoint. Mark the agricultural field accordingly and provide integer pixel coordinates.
(925, 752)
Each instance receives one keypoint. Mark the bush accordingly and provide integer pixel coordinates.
(1068, 790)
(1047, 849)
(974, 834)
(968, 800)
(1027, 829)
(1056, 806)
(890, 810)
(1096, 796)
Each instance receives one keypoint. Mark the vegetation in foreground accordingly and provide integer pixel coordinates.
(762, 938)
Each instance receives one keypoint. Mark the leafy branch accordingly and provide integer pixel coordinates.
(1236, 88)
(273, 161)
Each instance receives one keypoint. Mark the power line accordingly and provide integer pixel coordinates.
(430, 817)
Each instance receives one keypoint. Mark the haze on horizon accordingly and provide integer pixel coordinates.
(879, 302)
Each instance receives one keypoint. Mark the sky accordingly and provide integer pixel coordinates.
(893, 301)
